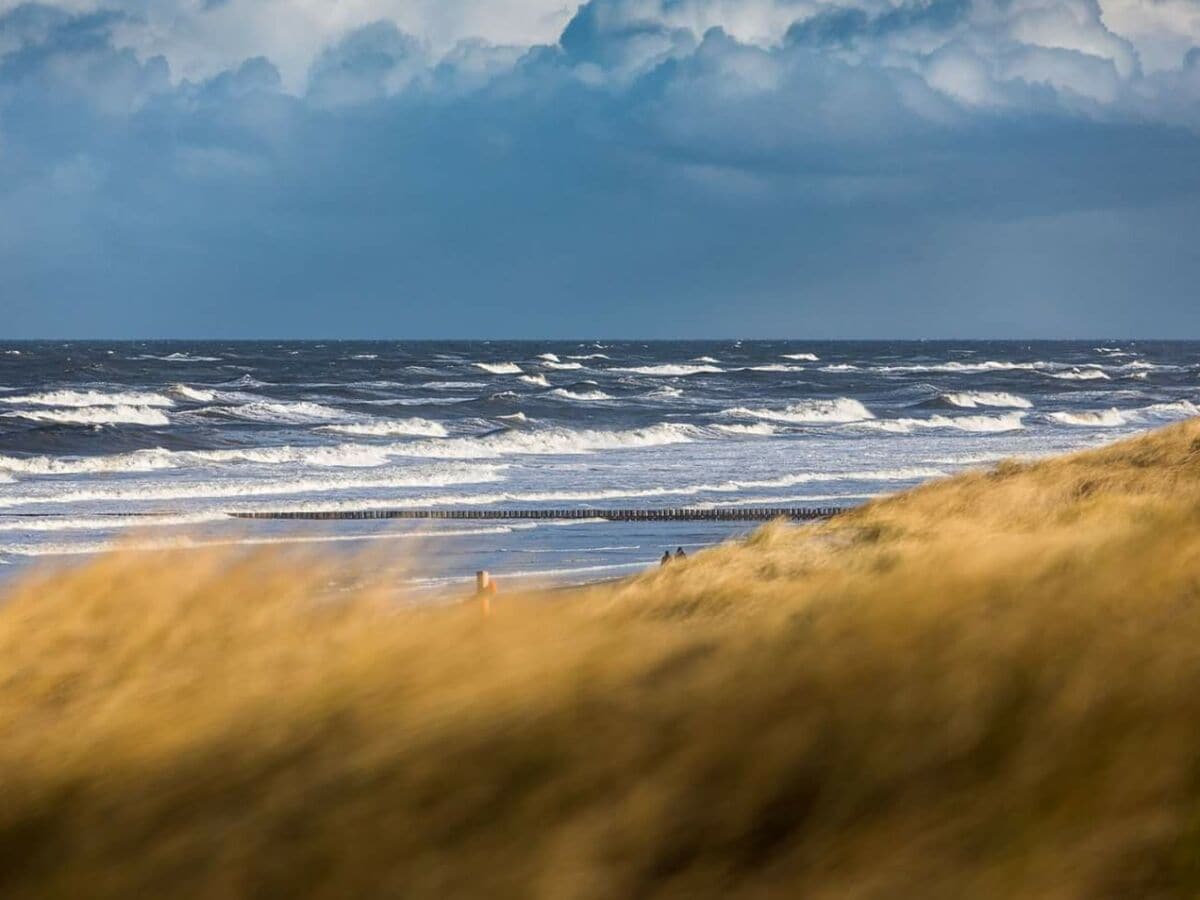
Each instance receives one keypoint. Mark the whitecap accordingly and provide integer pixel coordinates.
(388, 427)
(842, 409)
(802, 357)
(194, 394)
(506, 368)
(95, 415)
(973, 399)
(670, 370)
(1006, 422)
(90, 398)
(1101, 418)
(1081, 375)
(759, 428)
(580, 395)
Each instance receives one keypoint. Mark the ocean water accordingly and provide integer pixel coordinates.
(154, 444)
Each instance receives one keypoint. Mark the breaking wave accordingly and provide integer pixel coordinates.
(505, 368)
(416, 427)
(81, 399)
(1081, 375)
(95, 415)
(535, 380)
(580, 395)
(1006, 422)
(973, 399)
(298, 412)
(433, 475)
(669, 370)
(759, 428)
(843, 409)
(802, 357)
(196, 395)
(1100, 418)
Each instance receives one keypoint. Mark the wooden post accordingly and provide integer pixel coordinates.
(483, 590)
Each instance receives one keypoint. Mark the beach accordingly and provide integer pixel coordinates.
(156, 444)
(985, 686)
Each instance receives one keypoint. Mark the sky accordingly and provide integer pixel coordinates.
(622, 168)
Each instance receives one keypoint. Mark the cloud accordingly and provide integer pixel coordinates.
(403, 160)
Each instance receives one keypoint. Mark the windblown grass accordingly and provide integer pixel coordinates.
(987, 687)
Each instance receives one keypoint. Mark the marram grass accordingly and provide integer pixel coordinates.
(986, 687)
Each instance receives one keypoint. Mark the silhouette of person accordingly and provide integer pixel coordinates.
(666, 557)
(679, 554)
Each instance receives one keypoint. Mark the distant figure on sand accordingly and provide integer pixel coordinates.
(666, 557)
(679, 554)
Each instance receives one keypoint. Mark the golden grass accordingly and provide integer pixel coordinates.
(986, 687)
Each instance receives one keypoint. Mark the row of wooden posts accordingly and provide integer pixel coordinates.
(674, 514)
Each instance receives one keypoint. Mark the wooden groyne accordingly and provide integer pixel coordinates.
(676, 514)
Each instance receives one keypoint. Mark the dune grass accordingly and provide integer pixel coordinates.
(985, 687)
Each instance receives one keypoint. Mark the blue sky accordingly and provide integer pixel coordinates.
(651, 168)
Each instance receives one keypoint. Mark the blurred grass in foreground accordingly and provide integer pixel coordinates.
(986, 687)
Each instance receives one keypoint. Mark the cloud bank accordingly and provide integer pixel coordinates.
(658, 167)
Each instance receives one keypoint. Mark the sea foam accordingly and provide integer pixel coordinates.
(973, 399)
(843, 409)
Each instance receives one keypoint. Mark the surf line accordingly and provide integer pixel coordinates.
(674, 514)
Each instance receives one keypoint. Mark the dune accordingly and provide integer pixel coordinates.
(984, 687)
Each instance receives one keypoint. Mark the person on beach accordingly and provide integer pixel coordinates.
(679, 554)
(666, 557)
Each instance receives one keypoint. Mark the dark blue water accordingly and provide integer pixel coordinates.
(91, 433)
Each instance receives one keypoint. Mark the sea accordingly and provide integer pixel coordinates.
(153, 445)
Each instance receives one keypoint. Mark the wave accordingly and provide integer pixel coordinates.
(110, 523)
(1006, 422)
(772, 367)
(95, 415)
(1178, 409)
(733, 486)
(297, 412)
(665, 393)
(580, 395)
(433, 475)
(505, 368)
(843, 409)
(194, 394)
(760, 428)
(562, 366)
(1113, 417)
(535, 380)
(550, 441)
(1081, 375)
(670, 370)
(452, 385)
(365, 356)
(179, 357)
(1101, 418)
(973, 399)
(841, 367)
(706, 359)
(186, 542)
(137, 461)
(989, 366)
(591, 356)
(81, 399)
(802, 357)
(416, 427)
(548, 357)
